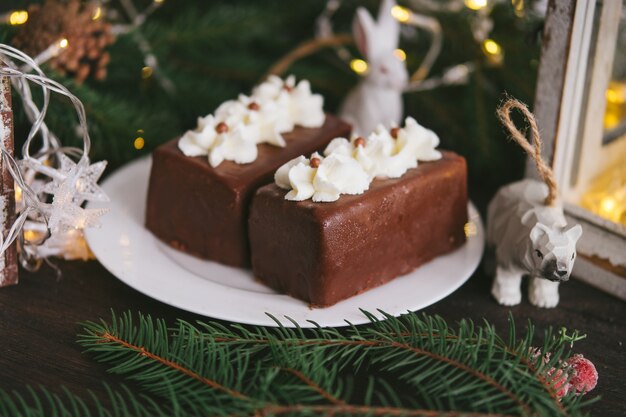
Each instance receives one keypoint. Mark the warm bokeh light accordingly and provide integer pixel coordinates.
(146, 72)
(518, 6)
(139, 143)
(400, 54)
(63, 43)
(359, 66)
(32, 236)
(608, 204)
(476, 4)
(491, 47)
(606, 195)
(401, 14)
(97, 13)
(18, 193)
(616, 92)
(612, 118)
(615, 112)
(493, 51)
(18, 17)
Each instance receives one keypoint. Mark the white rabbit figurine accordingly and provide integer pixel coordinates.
(377, 99)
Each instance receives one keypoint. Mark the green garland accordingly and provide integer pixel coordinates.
(407, 366)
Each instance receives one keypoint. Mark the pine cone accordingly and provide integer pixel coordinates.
(87, 38)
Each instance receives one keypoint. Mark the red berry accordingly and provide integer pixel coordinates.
(558, 379)
(585, 375)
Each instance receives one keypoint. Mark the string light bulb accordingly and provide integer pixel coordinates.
(97, 13)
(146, 72)
(606, 194)
(491, 47)
(518, 7)
(616, 93)
(18, 17)
(608, 204)
(400, 54)
(359, 66)
(493, 51)
(401, 14)
(476, 4)
(615, 112)
(63, 43)
(611, 208)
(32, 236)
(611, 119)
(139, 143)
(18, 194)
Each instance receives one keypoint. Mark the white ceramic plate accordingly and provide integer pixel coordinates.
(135, 256)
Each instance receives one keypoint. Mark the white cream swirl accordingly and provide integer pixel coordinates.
(350, 166)
(321, 179)
(233, 131)
(384, 156)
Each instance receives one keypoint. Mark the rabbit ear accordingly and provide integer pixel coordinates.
(363, 27)
(389, 27)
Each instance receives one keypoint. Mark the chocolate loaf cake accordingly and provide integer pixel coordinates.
(329, 252)
(203, 210)
(201, 185)
(324, 247)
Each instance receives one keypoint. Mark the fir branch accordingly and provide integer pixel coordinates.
(403, 346)
(547, 383)
(106, 337)
(548, 386)
(480, 375)
(41, 402)
(306, 380)
(353, 410)
(469, 371)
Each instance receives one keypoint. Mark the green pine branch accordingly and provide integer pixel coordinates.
(400, 366)
(407, 366)
(41, 402)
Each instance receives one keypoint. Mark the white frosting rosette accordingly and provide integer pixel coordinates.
(268, 118)
(236, 144)
(322, 181)
(198, 142)
(304, 107)
(424, 140)
(237, 126)
(349, 166)
(383, 156)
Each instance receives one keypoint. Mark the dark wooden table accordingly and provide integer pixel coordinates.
(39, 322)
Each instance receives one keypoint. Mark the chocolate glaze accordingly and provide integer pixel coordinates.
(323, 253)
(203, 210)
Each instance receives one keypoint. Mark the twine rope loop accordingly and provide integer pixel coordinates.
(532, 147)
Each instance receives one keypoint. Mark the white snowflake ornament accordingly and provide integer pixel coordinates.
(86, 186)
(65, 211)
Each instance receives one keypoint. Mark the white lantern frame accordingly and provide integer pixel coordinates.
(576, 64)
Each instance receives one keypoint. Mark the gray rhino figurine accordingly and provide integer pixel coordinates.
(530, 238)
